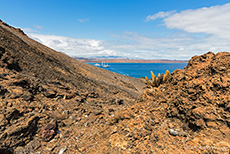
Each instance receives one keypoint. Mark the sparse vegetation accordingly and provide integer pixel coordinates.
(156, 81)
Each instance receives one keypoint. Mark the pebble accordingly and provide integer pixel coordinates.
(173, 132)
(81, 149)
(53, 140)
(111, 110)
(222, 68)
(62, 150)
(151, 122)
(64, 97)
(66, 112)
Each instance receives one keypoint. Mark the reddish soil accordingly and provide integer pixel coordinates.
(51, 103)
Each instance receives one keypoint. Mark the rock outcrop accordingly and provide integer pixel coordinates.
(187, 114)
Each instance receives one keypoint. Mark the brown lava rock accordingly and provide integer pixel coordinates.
(38, 84)
(52, 103)
(48, 132)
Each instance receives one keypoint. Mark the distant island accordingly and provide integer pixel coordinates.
(127, 60)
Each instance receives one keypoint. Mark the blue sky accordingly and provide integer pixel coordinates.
(145, 29)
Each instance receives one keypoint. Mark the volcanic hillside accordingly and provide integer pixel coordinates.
(51, 103)
(24, 55)
(39, 83)
(188, 114)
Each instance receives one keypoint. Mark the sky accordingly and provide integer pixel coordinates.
(135, 29)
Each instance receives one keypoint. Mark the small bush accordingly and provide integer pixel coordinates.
(156, 81)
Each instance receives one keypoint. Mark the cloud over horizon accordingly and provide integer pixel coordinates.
(194, 32)
(207, 29)
(73, 46)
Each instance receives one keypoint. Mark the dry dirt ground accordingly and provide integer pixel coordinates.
(51, 103)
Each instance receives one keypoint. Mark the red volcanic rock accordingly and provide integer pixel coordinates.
(49, 131)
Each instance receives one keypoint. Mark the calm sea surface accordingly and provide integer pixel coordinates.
(138, 70)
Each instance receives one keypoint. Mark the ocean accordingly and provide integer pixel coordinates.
(138, 70)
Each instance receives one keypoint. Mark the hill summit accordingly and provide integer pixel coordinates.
(52, 103)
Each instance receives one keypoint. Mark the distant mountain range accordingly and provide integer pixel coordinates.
(119, 59)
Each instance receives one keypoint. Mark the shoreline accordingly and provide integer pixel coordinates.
(131, 61)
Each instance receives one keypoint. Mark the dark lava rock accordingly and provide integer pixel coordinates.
(48, 132)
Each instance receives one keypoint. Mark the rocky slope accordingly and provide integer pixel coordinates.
(39, 85)
(188, 114)
(51, 103)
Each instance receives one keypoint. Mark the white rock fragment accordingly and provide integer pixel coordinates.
(62, 150)
(173, 132)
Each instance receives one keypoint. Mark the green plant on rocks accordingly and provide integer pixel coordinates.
(156, 81)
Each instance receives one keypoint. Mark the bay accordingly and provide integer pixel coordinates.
(138, 70)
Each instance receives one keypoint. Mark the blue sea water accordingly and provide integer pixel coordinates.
(138, 70)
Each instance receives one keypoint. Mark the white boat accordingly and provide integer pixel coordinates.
(97, 65)
(104, 65)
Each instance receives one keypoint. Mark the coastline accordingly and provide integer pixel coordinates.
(131, 61)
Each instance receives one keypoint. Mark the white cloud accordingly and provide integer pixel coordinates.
(204, 29)
(160, 14)
(177, 46)
(213, 20)
(38, 27)
(200, 30)
(73, 46)
(29, 30)
(83, 20)
(132, 45)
